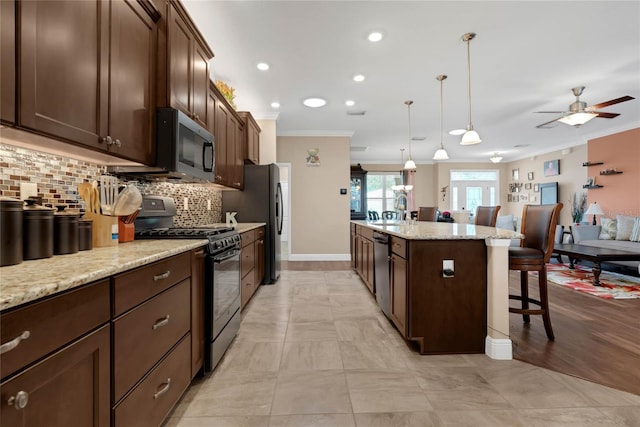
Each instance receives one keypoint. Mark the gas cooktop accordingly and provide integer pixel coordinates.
(181, 233)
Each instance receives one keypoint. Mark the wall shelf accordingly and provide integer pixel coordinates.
(610, 172)
(592, 186)
(592, 163)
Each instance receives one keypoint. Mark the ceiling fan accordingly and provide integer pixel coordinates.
(579, 113)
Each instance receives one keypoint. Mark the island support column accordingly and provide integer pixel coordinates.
(498, 343)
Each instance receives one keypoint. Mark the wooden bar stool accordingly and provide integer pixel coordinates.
(539, 228)
(427, 213)
(487, 215)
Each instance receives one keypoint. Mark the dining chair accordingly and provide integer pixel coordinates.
(427, 213)
(533, 254)
(486, 215)
(389, 215)
(373, 215)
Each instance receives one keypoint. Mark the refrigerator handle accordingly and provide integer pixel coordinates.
(279, 208)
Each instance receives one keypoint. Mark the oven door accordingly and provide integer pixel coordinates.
(223, 298)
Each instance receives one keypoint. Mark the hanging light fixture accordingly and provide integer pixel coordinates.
(410, 164)
(441, 153)
(495, 158)
(400, 186)
(470, 137)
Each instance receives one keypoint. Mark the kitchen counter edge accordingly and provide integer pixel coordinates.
(425, 230)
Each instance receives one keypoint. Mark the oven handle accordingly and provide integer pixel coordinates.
(220, 258)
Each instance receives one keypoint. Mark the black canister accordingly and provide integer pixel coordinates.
(10, 231)
(65, 231)
(85, 234)
(37, 234)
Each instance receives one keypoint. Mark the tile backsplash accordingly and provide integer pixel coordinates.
(57, 178)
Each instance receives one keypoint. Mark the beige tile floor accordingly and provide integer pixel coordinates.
(314, 350)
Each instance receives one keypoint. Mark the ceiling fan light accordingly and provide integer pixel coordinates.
(470, 137)
(495, 158)
(441, 154)
(410, 165)
(577, 119)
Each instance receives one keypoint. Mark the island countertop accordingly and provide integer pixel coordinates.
(426, 230)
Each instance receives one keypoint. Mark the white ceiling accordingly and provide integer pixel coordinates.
(526, 57)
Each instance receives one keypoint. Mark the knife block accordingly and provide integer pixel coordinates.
(125, 232)
(105, 229)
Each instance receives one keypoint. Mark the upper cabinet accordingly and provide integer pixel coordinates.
(188, 58)
(252, 138)
(8, 62)
(86, 73)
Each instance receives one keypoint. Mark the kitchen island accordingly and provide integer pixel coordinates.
(460, 306)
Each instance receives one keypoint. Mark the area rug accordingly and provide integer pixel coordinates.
(613, 285)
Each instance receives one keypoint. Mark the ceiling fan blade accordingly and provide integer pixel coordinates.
(555, 112)
(605, 115)
(608, 103)
(549, 124)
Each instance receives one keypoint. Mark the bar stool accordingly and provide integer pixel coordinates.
(533, 254)
(427, 213)
(487, 215)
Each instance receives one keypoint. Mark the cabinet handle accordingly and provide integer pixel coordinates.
(6, 347)
(199, 254)
(161, 323)
(236, 183)
(163, 390)
(107, 139)
(162, 276)
(117, 143)
(20, 400)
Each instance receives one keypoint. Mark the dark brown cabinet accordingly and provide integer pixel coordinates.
(8, 62)
(197, 310)
(399, 293)
(87, 73)
(364, 256)
(251, 263)
(259, 256)
(188, 65)
(251, 138)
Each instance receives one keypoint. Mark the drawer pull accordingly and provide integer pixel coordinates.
(14, 342)
(161, 323)
(20, 400)
(163, 390)
(162, 276)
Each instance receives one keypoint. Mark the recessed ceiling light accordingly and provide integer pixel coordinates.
(350, 103)
(457, 131)
(275, 105)
(358, 78)
(375, 36)
(263, 66)
(314, 102)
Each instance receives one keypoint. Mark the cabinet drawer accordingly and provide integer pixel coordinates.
(260, 233)
(399, 246)
(247, 259)
(248, 237)
(51, 324)
(248, 287)
(154, 397)
(142, 336)
(132, 288)
(365, 232)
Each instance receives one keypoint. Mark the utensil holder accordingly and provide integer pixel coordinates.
(105, 229)
(125, 232)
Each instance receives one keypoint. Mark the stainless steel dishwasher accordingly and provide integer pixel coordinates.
(381, 260)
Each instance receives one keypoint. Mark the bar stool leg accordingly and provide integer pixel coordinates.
(524, 293)
(544, 303)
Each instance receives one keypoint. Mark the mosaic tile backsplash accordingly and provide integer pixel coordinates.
(57, 178)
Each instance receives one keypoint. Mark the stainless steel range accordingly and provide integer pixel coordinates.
(222, 271)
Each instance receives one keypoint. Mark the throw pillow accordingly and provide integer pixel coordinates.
(625, 226)
(635, 233)
(505, 221)
(609, 228)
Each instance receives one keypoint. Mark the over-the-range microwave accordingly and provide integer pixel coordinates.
(185, 151)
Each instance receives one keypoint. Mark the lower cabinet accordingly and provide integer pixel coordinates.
(251, 263)
(399, 293)
(364, 255)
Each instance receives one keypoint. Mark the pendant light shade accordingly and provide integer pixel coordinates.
(495, 158)
(441, 153)
(470, 137)
(410, 164)
(400, 185)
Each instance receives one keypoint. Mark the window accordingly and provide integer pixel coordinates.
(473, 188)
(380, 196)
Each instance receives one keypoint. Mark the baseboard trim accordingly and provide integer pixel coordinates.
(319, 257)
(498, 348)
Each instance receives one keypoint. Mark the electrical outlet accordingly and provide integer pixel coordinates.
(28, 189)
(208, 205)
(447, 268)
(186, 204)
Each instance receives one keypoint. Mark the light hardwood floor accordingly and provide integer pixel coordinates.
(315, 350)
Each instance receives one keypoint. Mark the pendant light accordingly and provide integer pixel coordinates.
(401, 186)
(410, 164)
(470, 137)
(441, 153)
(495, 158)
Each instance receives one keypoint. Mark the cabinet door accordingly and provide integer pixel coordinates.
(8, 61)
(133, 52)
(235, 156)
(69, 388)
(200, 85)
(197, 310)
(370, 267)
(399, 293)
(221, 143)
(180, 62)
(259, 258)
(64, 59)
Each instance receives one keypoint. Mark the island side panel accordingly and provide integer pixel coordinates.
(448, 314)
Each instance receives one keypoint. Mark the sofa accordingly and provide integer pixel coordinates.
(622, 233)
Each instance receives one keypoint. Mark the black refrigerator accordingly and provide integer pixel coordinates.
(260, 201)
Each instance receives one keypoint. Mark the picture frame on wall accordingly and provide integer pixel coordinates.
(509, 198)
(552, 168)
(530, 176)
(515, 174)
(536, 188)
(527, 186)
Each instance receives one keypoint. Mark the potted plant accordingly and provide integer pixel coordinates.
(227, 91)
(578, 204)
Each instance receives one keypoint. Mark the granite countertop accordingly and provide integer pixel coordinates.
(425, 230)
(35, 279)
(241, 227)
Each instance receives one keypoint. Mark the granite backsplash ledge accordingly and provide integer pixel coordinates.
(57, 178)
